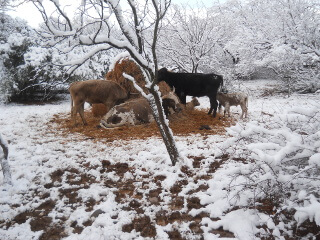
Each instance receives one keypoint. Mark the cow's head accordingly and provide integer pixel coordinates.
(161, 74)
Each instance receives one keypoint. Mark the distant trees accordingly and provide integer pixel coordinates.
(237, 37)
(189, 39)
(14, 43)
(26, 68)
(29, 70)
(281, 35)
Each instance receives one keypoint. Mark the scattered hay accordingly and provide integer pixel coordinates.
(183, 124)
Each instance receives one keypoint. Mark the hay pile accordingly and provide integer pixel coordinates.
(132, 69)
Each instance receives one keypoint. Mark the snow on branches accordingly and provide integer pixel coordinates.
(282, 164)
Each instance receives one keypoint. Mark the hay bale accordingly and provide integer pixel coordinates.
(132, 69)
(164, 88)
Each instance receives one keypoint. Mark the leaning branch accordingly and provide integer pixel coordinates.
(4, 163)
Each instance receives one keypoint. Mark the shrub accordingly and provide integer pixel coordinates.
(280, 174)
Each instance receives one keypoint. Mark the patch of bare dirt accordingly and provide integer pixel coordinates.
(41, 222)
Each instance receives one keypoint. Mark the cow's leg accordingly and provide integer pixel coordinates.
(74, 111)
(183, 97)
(227, 109)
(73, 114)
(109, 105)
(244, 110)
(81, 112)
(213, 106)
(219, 107)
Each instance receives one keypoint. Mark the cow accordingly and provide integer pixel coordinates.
(136, 112)
(193, 84)
(233, 99)
(94, 91)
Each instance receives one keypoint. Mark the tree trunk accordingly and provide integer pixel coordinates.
(165, 131)
(4, 163)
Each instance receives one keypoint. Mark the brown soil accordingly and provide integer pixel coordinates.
(182, 124)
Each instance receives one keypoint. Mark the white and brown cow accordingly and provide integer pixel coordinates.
(136, 112)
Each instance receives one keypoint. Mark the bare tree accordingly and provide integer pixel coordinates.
(4, 162)
(190, 39)
(129, 25)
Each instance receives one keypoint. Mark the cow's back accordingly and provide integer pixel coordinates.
(101, 91)
(234, 99)
(194, 84)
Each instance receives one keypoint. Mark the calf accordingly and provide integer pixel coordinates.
(193, 84)
(194, 103)
(233, 99)
(94, 91)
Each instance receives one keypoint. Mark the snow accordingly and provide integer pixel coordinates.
(279, 132)
(241, 222)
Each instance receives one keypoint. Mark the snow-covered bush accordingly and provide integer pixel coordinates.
(280, 173)
(13, 43)
(22, 76)
(280, 35)
(30, 71)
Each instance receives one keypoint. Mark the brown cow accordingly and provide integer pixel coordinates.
(94, 91)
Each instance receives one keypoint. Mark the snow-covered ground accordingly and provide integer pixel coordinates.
(93, 197)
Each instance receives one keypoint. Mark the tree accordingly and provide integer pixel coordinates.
(193, 39)
(26, 69)
(103, 24)
(188, 39)
(282, 35)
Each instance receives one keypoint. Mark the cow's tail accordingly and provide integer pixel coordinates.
(247, 101)
(71, 100)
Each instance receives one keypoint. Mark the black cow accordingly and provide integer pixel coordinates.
(193, 84)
